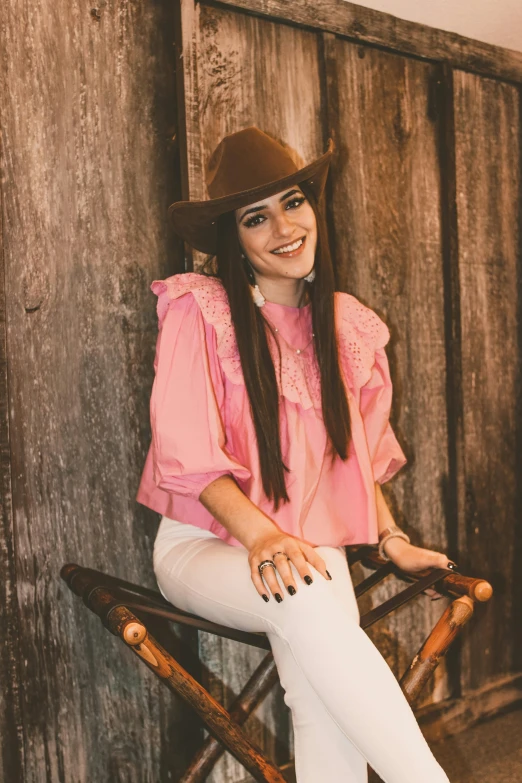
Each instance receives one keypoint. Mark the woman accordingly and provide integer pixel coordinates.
(270, 440)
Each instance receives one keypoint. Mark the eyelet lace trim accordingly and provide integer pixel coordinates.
(360, 332)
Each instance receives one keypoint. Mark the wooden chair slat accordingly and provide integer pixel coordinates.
(403, 597)
(253, 639)
(381, 573)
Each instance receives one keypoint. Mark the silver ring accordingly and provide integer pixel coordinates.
(264, 564)
(280, 553)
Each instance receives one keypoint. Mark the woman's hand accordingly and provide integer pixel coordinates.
(298, 552)
(411, 558)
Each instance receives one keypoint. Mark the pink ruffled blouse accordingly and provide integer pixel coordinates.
(202, 427)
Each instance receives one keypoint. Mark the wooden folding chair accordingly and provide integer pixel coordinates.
(122, 605)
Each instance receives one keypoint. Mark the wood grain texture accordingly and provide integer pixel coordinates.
(89, 163)
(86, 112)
(453, 716)
(387, 244)
(487, 131)
(226, 89)
(11, 751)
(366, 25)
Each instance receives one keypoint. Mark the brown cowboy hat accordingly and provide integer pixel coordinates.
(245, 167)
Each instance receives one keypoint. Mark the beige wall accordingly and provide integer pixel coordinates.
(494, 21)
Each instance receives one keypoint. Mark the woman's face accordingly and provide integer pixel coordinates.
(279, 234)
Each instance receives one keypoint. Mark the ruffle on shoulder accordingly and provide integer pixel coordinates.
(212, 299)
(360, 332)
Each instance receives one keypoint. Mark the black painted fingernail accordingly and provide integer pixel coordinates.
(329, 575)
(265, 597)
(452, 565)
(291, 589)
(308, 580)
(278, 598)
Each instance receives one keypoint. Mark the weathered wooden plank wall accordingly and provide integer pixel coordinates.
(488, 164)
(413, 142)
(87, 114)
(424, 193)
(387, 233)
(11, 757)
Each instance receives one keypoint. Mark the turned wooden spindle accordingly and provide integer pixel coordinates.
(258, 686)
(124, 624)
(436, 645)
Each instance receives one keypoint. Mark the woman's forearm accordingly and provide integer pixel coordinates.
(231, 507)
(384, 520)
(405, 555)
(384, 515)
(246, 522)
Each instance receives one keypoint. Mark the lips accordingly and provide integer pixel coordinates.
(291, 253)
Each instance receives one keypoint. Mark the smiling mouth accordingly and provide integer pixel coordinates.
(290, 250)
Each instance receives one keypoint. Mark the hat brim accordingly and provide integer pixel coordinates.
(194, 221)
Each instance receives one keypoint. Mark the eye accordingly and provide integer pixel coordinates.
(297, 201)
(252, 221)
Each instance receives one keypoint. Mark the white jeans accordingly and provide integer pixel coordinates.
(346, 704)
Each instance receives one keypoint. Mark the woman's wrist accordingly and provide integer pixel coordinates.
(394, 546)
(262, 528)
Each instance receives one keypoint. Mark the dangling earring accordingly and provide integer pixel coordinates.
(309, 278)
(257, 296)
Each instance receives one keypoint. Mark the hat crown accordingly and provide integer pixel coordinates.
(244, 160)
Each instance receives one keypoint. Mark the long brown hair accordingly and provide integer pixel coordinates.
(252, 329)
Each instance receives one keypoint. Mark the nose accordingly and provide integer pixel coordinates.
(283, 225)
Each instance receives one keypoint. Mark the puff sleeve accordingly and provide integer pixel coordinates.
(387, 456)
(188, 435)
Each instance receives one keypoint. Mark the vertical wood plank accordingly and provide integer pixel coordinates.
(87, 108)
(11, 748)
(232, 64)
(444, 106)
(385, 186)
(487, 128)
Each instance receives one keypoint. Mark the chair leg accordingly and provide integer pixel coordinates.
(258, 686)
(121, 622)
(435, 647)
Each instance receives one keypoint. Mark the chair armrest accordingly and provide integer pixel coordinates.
(452, 584)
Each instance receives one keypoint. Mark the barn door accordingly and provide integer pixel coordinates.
(423, 218)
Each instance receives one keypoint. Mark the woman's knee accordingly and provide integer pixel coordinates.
(340, 586)
(315, 609)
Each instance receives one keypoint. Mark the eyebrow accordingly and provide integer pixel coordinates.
(264, 206)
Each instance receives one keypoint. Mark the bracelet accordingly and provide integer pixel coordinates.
(385, 535)
(389, 529)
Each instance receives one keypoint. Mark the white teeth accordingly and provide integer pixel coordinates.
(289, 248)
